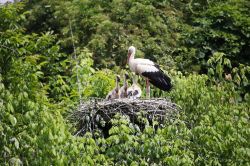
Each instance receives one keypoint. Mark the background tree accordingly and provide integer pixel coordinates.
(203, 45)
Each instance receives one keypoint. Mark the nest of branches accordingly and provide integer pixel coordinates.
(96, 114)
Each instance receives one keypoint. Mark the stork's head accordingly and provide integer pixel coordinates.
(126, 76)
(131, 51)
(118, 79)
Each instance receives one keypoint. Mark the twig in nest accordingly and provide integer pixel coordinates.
(92, 114)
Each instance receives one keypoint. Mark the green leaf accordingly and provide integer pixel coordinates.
(7, 149)
(12, 120)
(15, 161)
(10, 107)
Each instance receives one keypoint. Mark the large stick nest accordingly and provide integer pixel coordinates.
(96, 114)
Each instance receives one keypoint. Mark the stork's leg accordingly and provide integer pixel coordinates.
(147, 88)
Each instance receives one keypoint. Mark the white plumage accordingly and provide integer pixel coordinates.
(149, 70)
(140, 68)
(134, 91)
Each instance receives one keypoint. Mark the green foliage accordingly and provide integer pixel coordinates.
(216, 117)
(42, 78)
(220, 69)
(107, 29)
(166, 146)
(100, 83)
(221, 27)
(33, 131)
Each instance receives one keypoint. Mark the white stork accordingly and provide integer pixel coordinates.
(149, 70)
(123, 89)
(114, 94)
(134, 91)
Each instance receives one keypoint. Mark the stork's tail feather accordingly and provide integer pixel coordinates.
(159, 79)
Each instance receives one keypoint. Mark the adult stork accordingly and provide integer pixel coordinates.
(134, 91)
(114, 94)
(123, 89)
(149, 70)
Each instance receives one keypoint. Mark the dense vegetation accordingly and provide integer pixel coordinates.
(203, 45)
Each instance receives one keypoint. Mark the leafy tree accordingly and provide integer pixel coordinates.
(107, 29)
(42, 78)
(32, 129)
(222, 27)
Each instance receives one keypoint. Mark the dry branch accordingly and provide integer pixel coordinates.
(96, 114)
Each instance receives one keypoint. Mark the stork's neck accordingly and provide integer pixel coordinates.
(134, 80)
(117, 84)
(131, 57)
(125, 82)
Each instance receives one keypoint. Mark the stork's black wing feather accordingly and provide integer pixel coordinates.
(159, 79)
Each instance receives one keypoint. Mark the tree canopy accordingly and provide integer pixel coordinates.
(54, 53)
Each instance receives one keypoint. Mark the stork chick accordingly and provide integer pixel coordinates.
(134, 91)
(114, 94)
(123, 89)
